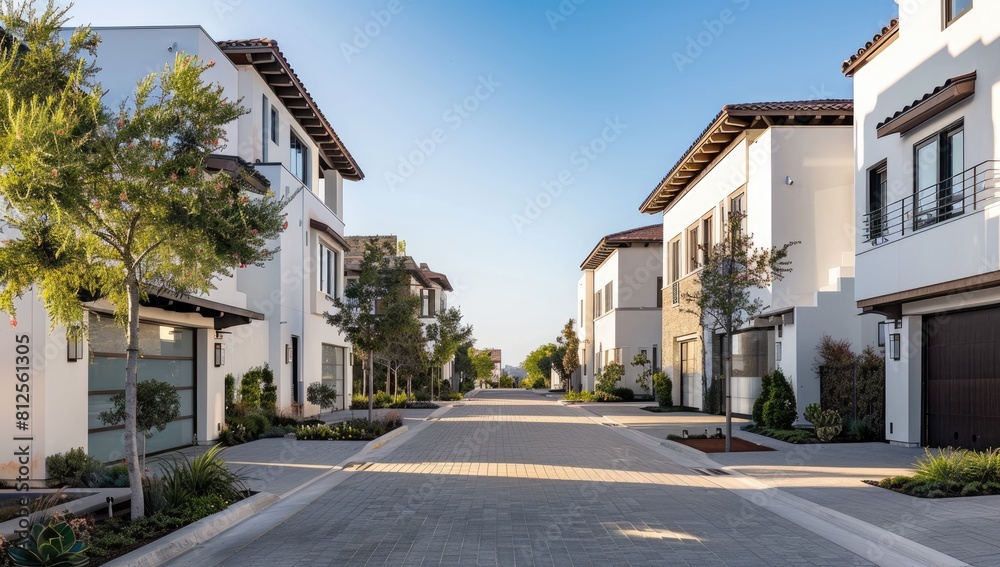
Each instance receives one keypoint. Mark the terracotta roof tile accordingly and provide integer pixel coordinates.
(970, 77)
(849, 65)
(338, 156)
(608, 244)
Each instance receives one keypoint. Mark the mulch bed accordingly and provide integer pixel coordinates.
(719, 445)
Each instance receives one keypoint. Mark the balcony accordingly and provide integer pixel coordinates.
(969, 191)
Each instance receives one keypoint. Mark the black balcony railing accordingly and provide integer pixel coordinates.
(968, 191)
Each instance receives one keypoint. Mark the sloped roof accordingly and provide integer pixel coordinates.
(641, 235)
(942, 97)
(269, 61)
(436, 277)
(870, 49)
(732, 121)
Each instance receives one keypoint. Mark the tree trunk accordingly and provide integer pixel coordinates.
(370, 370)
(131, 386)
(727, 353)
(388, 381)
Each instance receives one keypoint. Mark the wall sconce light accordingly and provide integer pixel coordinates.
(894, 346)
(777, 351)
(220, 354)
(74, 348)
(881, 333)
(288, 354)
(898, 323)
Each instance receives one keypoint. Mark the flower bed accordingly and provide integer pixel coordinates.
(948, 473)
(351, 430)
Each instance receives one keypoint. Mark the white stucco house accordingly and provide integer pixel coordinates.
(270, 315)
(788, 167)
(927, 99)
(620, 304)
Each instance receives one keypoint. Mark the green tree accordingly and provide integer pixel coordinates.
(116, 203)
(538, 363)
(375, 306)
(463, 363)
(447, 334)
(482, 363)
(405, 352)
(322, 395)
(157, 404)
(724, 298)
(645, 370)
(608, 377)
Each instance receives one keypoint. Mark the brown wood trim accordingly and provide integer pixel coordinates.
(884, 41)
(971, 283)
(954, 91)
(325, 229)
(731, 145)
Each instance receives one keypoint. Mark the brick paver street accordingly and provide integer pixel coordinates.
(509, 478)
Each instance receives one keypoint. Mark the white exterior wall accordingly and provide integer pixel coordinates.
(585, 330)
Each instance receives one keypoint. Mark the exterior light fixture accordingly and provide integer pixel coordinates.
(894, 346)
(74, 348)
(288, 354)
(881, 333)
(220, 354)
(777, 351)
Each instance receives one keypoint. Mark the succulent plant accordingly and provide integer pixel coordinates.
(828, 423)
(48, 545)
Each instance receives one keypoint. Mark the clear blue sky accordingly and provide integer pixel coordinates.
(535, 81)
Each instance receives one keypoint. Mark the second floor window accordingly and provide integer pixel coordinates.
(327, 271)
(265, 128)
(939, 163)
(954, 9)
(737, 204)
(692, 242)
(609, 298)
(299, 162)
(427, 306)
(598, 304)
(659, 291)
(877, 200)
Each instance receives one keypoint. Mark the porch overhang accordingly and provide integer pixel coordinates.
(775, 317)
(952, 92)
(891, 305)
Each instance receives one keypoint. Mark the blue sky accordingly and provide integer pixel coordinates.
(502, 139)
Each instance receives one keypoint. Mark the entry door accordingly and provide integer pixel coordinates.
(690, 374)
(296, 390)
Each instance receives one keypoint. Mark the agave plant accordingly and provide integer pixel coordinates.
(827, 422)
(52, 544)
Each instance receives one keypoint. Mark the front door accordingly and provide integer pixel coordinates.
(690, 375)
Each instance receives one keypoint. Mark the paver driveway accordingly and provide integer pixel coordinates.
(508, 478)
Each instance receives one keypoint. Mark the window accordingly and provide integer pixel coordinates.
(706, 237)
(265, 129)
(427, 307)
(938, 189)
(444, 303)
(332, 371)
(299, 163)
(609, 297)
(328, 271)
(737, 204)
(598, 304)
(955, 9)
(655, 360)
(877, 200)
(692, 250)
(581, 312)
(659, 291)
(274, 125)
(675, 260)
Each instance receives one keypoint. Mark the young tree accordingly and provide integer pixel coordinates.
(463, 364)
(734, 269)
(117, 203)
(446, 334)
(482, 363)
(322, 395)
(645, 371)
(570, 360)
(538, 363)
(405, 351)
(375, 307)
(157, 404)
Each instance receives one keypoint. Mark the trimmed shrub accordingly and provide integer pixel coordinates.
(581, 396)
(422, 396)
(71, 468)
(601, 396)
(351, 430)
(626, 394)
(230, 393)
(250, 388)
(765, 394)
(268, 391)
(607, 378)
(714, 402)
(664, 388)
(779, 410)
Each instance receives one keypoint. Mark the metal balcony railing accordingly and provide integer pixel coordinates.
(971, 190)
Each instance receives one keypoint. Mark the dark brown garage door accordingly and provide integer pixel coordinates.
(962, 379)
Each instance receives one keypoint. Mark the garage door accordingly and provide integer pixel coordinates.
(962, 379)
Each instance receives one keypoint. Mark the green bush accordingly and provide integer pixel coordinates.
(200, 507)
(607, 378)
(797, 436)
(230, 393)
(780, 410)
(862, 429)
(714, 404)
(582, 396)
(664, 388)
(268, 391)
(626, 394)
(72, 468)
(950, 472)
(421, 396)
(115, 476)
(505, 381)
(350, 430)
(250, 388)
(765, 394)
(273, 432)
(601, 396)
(322, 395)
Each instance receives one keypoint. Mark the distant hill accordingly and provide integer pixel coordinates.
(515, 371)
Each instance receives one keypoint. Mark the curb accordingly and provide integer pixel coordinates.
(171, 546)
(379, 441)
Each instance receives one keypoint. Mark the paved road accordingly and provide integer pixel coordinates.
(509, 478)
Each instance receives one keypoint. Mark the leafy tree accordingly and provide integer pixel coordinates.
(538, 363)
(724, 298)
(157, 404)
(375, 306)
(780, 410)
(645, 370)
(463, 363)
(447, 334)
(482, 363)
(405, 352)
(570, 360)
(322, 395)
(116, 203)
(608, 377)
